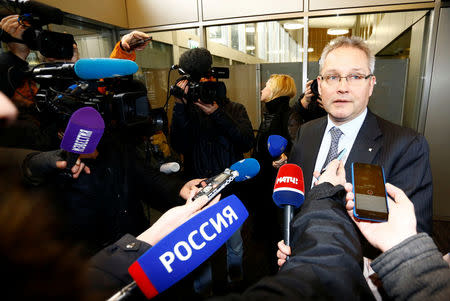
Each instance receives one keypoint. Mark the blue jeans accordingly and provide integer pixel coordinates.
(235, 252)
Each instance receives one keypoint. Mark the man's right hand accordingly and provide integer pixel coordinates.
(10, 25)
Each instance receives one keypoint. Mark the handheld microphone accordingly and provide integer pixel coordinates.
(288, 193)
(87, 69)
(276, 145)
(169, 167)
(83, 133)
(240, 171)
(185, 248)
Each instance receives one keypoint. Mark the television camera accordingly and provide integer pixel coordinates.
(104, 84)
(34, 15)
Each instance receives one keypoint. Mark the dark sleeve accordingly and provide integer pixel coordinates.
(108, 269)
(235, 124)
(161, 190)
(412, 172)
(414, 270)
(179, 138)
(326, 255)
(12, 73)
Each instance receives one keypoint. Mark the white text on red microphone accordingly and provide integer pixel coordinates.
(292, 180)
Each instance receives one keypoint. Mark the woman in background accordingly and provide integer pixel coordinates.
(279, 89)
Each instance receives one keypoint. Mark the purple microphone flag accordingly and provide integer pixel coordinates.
(83, 132)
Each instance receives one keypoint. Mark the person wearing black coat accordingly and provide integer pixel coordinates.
(279, 89)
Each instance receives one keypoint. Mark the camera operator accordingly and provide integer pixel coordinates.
(30, 130)
(308, 107)
(211, 134)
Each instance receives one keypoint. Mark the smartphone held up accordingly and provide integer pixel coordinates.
(369, 192)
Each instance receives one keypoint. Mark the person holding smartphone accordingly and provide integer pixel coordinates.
(411, 266)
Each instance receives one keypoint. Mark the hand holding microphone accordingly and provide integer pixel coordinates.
(288, 193)
(276, 145)
(186, 247)
(81, 137)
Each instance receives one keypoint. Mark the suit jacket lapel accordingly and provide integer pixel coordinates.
(312, 143)
(367, 144)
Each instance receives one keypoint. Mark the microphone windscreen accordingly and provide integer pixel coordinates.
(104, 68)
(186, 247)
(247, 169)
(289, 187)
(169, 167)
(276, 145)
(83, 132)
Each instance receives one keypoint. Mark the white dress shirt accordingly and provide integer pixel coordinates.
(349, 129)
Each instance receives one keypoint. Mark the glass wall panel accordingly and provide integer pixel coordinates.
(399, 57)
(276, 45)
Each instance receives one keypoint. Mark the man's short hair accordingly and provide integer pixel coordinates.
(282, 85)
(354, 42)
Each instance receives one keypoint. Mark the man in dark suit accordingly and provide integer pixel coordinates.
(346, 82)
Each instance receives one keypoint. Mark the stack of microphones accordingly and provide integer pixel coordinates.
(189, 245)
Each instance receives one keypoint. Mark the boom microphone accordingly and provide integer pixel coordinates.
(288, 193)
(87, 69)
(185, 248)
(276, 145)
(83, 133)
(240, 171)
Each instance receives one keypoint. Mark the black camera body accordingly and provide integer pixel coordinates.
(315, 88)
(34, 15)
(208, 89)
(122, 103)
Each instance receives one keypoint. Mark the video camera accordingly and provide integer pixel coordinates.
(34, 15)
(121, 100)
(195, 67)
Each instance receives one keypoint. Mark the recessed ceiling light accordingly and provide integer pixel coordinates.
(250, 29)
(292, 25)
(337, 31)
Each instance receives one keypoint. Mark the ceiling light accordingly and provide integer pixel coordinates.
(292, 25)
(337, 31)
(250, 29)
(310, 49)
(250, 48)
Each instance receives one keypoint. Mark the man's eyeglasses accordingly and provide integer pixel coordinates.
(352, 79)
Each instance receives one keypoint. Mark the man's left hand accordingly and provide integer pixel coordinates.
(207, 108)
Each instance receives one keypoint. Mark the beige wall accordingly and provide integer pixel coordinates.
(146, 13)
(330, 4)
(107, 11)
(219, 9)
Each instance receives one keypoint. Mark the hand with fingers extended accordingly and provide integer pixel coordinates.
(401, 223)
(135, 40)
(175, 217)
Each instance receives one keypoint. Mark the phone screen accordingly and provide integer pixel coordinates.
(370, 193)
